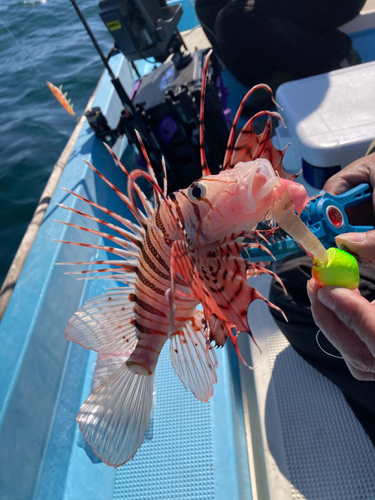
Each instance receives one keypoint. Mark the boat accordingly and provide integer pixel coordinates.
(268, 433)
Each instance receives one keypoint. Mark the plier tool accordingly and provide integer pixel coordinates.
(325, 214)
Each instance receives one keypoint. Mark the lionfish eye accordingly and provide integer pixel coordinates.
(196, 191)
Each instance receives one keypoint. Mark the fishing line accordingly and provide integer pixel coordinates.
(30, 56)
(321, 348)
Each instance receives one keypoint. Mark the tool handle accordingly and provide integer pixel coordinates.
(326, 214)
(326, 217)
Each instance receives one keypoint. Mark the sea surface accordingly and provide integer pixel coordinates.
(39, 41)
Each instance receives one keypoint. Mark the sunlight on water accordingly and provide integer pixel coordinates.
(40, 40)
(33, 3)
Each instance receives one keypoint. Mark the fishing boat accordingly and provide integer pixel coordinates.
(267, 433)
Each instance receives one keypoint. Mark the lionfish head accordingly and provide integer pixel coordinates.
(235, 200)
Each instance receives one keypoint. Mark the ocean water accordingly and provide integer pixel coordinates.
(39, 41)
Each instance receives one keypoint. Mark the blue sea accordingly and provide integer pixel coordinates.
(39, 41)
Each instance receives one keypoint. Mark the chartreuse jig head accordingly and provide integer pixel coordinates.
(341, 269)
(334, 266)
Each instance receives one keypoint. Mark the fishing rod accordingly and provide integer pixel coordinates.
(114, 79)
(131, 119)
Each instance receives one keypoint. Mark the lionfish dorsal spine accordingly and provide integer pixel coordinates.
(135, 228)
(145, 202)
(232, 133)
(205, 168)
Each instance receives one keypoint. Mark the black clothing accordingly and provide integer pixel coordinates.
(256, 38)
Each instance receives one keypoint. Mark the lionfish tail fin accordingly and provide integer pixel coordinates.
(114, 419)
(194, 367)
(104, 323)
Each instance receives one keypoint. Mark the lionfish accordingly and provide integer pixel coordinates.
(184, 255)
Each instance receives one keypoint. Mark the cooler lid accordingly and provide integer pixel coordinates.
(331, 117)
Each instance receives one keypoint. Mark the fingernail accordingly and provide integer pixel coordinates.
(309, 290)
(354, 237)
(326, 298)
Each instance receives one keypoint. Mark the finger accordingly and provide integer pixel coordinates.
(355, 312)
(352, 348)
(357, 356)
(362, 170)
(355, 352)
(359, 374)
(363, 244)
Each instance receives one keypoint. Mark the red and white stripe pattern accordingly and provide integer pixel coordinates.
(184, 253)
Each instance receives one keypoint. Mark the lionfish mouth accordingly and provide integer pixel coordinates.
(261, 181)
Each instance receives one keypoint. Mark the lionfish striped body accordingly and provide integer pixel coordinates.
(184, 253)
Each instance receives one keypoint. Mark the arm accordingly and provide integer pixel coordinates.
(346, 318)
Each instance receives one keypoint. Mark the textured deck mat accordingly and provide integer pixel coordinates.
(315, 447)
(194, 450)
(176, 463)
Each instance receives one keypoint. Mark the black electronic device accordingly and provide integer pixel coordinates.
(165, 103)
(99, 124)
(143, 28)
(169, 98)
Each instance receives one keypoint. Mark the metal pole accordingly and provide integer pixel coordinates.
(93, 39)
(116, 82)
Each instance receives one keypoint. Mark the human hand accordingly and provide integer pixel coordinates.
(362, 170)
(344, 316)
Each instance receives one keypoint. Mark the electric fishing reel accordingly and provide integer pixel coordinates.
(165, 103)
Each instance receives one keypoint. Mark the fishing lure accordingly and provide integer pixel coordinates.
(65, 103)
(184, 253)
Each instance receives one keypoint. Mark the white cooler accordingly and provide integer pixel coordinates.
(330, 120)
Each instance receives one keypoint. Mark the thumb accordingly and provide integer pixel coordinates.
(363, 244)
(352, 309)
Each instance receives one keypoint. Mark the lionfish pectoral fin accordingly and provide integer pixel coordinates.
(169, 295)
(104, 324)
(254, 269)
(108, 420)
(234, 338)
(218, 330)
(260, 296)
(180, 252)
(230, 294)
(183, 263)
(194, 367)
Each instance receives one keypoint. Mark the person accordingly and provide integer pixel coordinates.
(345, 318)
(269, 41)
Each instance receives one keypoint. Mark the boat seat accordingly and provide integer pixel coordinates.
(195, 39)
(312, 445)
(364, 21)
